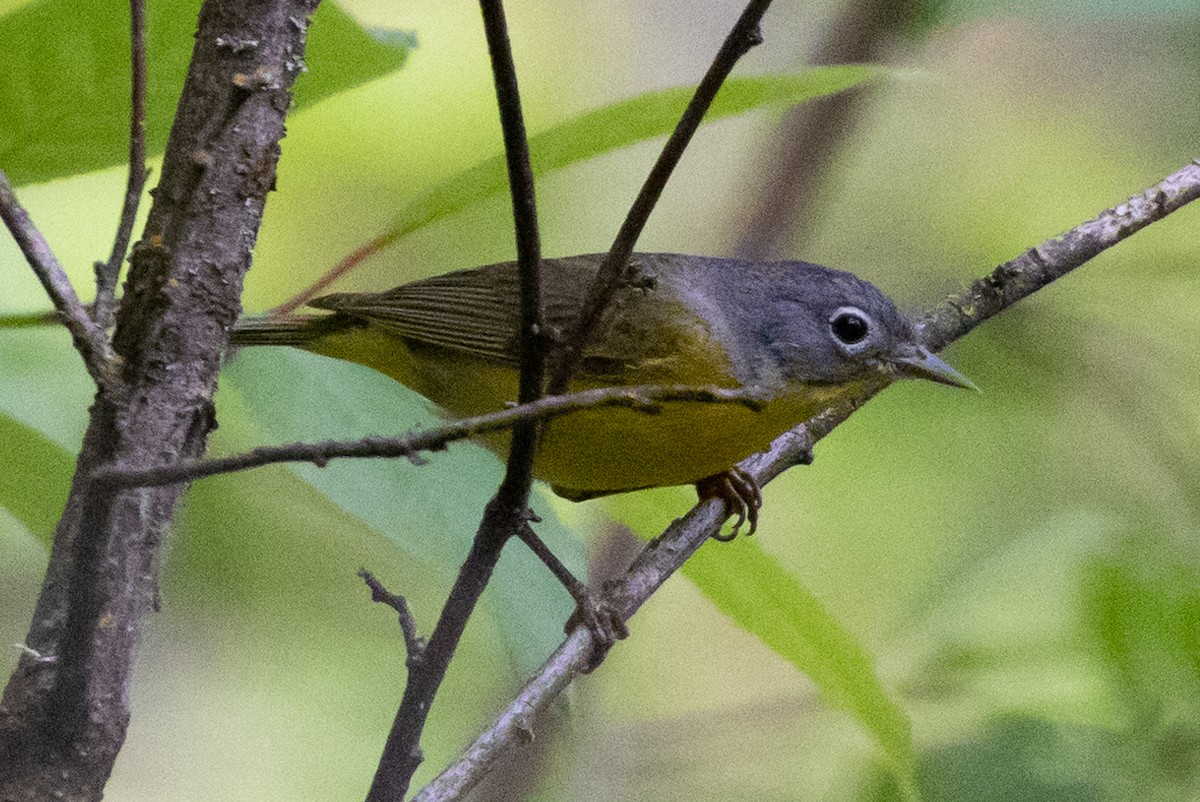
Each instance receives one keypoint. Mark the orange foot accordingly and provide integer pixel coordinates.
(741, 495)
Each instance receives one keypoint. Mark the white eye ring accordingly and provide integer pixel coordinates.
(851, 328)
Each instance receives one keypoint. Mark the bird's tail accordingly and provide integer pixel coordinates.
(295, 330)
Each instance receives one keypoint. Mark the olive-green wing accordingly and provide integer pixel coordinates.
(477, 310)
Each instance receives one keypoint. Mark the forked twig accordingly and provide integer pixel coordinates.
(506, 513)
(107, 273)
(90, 340)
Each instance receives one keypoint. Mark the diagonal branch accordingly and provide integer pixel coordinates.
(642, 398)
(89, 338)
(107, 273)
(744, 35)
(956, 316)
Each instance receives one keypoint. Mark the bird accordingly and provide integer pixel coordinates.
(799, 335)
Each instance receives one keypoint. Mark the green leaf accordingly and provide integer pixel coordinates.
(1070, 10)
(35, 486)
(1023, 758)
(64, 89)
(1143, 605)
(430, 512)
(752, 588)
(619, 125)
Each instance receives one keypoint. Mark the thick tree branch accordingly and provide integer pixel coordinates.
(63, 720)
(89, 339)
(942, 325)
(744, 35)
(644, 398)
(107, 273)
(507, 512)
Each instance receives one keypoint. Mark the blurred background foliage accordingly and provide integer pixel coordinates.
(1022, 566)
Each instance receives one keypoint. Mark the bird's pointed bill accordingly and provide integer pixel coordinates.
(925, 365)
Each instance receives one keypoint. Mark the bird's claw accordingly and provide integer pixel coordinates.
(742, 497)
(603, 621)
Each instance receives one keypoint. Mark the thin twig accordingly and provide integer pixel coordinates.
(506, 513)
(107, 273)
(31, 320)
(744, 35)
(955, 317)
(643, 398)
(89, 338)
(414, 644)
(517, 478)
(340, 269)
(548, 558)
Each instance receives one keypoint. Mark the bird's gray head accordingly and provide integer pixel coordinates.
(831, 327)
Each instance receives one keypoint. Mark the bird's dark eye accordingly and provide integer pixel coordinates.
(849, 327)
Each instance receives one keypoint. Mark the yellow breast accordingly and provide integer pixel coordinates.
(594, 451)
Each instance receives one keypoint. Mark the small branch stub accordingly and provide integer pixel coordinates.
(414, 644)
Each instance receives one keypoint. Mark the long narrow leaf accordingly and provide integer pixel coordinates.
(619, 125)
(753, 589)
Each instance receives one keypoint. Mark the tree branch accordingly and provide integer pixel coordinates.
(507, 512)
(90, 340)
(642, 398)
(63, 721)
(942, 325)
(744, 35)
(107, 273)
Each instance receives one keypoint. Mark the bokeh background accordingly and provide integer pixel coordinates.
(1023, 565)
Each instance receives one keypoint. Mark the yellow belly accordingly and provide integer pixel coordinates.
(610, 450)
(593, 451)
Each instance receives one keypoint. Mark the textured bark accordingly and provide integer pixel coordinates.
(66, 708)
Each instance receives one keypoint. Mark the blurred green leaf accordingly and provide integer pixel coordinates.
(426, 511)
(1020, 759)
(34, 485)
(923, 16)
(43, 384)
(64, 90)
(1003, 625)
(620, 125)
(1144, 609)
(1077, 11)
(752, 588)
